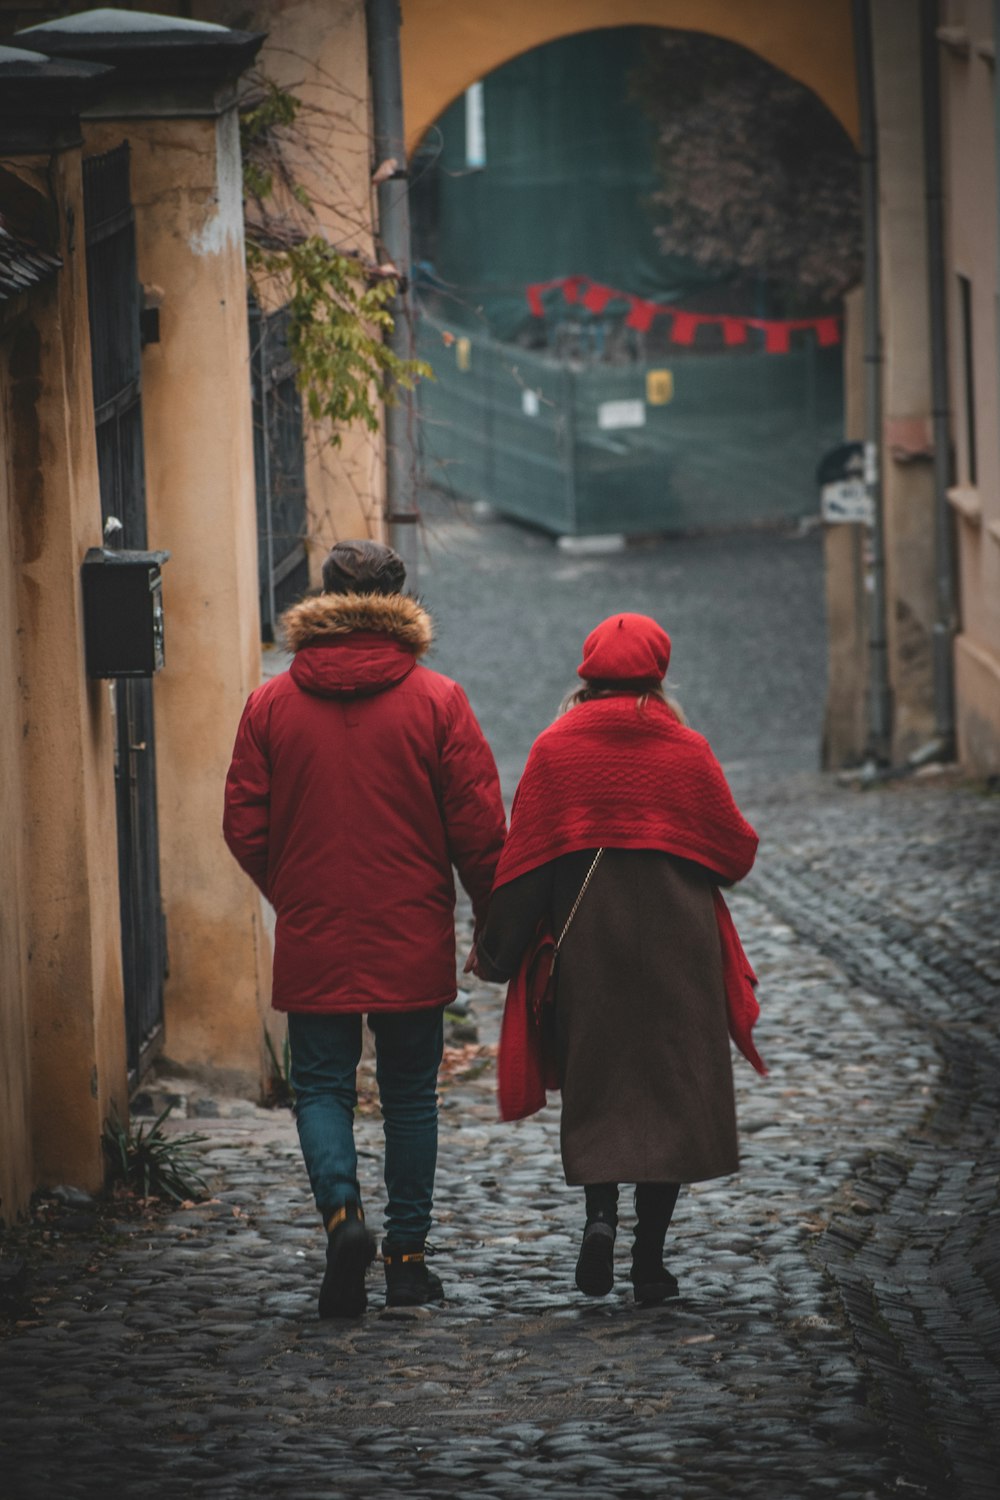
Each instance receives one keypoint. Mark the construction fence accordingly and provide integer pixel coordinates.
(696, 441)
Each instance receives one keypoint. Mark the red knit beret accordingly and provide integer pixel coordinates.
(629, 648)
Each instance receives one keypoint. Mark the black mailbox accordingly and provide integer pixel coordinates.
(123, 612)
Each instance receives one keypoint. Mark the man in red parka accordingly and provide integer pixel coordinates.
(359, 779)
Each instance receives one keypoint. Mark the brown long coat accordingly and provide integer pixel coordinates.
(646, 1074)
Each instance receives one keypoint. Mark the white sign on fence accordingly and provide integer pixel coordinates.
(529, 402)
(612, 414)
(846, 501)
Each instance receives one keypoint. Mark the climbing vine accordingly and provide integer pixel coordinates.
(338, 303)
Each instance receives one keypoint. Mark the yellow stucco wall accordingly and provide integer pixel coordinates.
(67, 895)
(186, 191)
(318, 49)
(449, 44)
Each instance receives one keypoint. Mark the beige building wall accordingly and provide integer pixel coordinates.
(66, 966)
(186, 190)
(16, 1156)
(968, 83)
(318, 49)
(846, 548)
(907, 457)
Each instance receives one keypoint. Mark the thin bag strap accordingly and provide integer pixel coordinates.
(576, 903)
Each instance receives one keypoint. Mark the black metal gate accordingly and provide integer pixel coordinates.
(114, 298)
(279, 465)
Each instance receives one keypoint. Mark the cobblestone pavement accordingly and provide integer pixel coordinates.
(837, 1329)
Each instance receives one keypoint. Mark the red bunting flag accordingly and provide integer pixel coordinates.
(685, 327)
(535, 301)
(777, 336)
(595, 297)
(641, 314)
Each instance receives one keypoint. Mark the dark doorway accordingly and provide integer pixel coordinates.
(114, 302)
(279, 465)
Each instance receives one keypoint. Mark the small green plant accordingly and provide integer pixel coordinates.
(280, 1091)
(151, 1164)
(338, 303)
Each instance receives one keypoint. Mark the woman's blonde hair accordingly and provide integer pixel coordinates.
(641, 691)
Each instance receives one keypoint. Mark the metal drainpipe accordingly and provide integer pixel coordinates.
(944, 619)
(402, 516)
(879, 720)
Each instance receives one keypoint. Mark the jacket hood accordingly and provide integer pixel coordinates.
(331, 616)
(354, 645)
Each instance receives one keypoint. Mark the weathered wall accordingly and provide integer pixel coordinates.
(907, 470)
(449, 44)
(968, 81)
(16, 1163)
(318, 49)
(67, 863)
(845, 724)
(186, 189)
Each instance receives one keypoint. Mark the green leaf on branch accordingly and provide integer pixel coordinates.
(339, 307)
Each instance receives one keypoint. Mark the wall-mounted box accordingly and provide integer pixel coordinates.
(123, 612)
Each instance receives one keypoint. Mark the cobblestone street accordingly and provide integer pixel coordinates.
(838, 1329)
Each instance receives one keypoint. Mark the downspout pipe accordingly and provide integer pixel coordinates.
(944, 562)
(389, 143)
(879, 709)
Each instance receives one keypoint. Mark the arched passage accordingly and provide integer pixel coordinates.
(580, 395)
(449, 44)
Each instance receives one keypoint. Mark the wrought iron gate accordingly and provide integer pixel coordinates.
(114, 299)
(279, 464)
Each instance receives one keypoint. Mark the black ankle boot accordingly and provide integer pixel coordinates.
(651, 1281)
(350, 1250)
(595, 1266)
(408, 1283)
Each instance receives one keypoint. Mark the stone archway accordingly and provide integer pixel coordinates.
(449, 44)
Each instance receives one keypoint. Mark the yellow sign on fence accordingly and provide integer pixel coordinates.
(659, 387)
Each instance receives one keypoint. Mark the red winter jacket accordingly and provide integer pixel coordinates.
(359, 778)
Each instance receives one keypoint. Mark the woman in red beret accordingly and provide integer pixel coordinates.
(623, 827)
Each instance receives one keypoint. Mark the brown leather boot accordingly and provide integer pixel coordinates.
(408, 1283)
(350, 1250)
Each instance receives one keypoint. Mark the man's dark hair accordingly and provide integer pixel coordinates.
(363, 568)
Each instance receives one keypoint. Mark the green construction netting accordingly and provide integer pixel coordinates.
(564, 189)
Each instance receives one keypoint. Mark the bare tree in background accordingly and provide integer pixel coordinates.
(758, 179)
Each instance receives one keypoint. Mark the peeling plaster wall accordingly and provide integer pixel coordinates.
(907, 470)
(16, 1164)
(845, 724)
(67, 961)
(201, 507)
(968, 82)
(318, 48)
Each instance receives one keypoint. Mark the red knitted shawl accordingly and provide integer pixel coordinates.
(609, 774)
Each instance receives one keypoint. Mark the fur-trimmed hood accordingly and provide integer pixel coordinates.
(355, 645)
(326, 617)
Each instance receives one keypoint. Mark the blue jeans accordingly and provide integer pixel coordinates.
(326, 1050)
